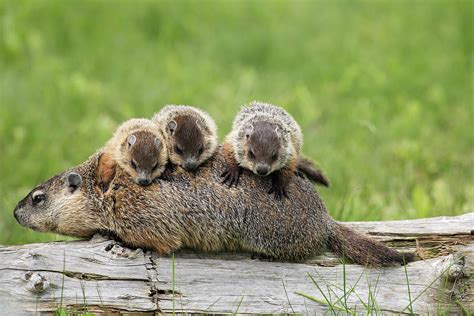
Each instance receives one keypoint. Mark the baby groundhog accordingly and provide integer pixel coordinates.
(137, 146)
(267, 140)
(190, 135)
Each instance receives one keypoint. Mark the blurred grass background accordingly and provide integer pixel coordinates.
(382, 89)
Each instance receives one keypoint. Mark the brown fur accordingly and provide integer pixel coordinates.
(105, 171)
(281, 179)
(307, 168)
(145, 158)
(196, 211)
(232, 170)
(261, 146)
(267, 140)
(190, 135)
(355, 247)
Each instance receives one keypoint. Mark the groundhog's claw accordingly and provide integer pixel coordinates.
(231, 175)
(167, 174)
(279, 187)
(279, 191)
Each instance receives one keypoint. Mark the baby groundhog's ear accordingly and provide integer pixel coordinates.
(278, 131)
(105, 172)
(172, 125)
(131, 140)
(281, 131)
(157, 142)
(73, 181)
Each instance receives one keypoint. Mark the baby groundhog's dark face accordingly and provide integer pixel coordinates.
(262, 148)
(145, 157)
(189, 147)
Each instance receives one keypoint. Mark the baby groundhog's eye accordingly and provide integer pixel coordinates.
(38, 198)
(274, 157)
(251, 154)
(201, 150)
(178, 150)
(155, 166)
(133, 164)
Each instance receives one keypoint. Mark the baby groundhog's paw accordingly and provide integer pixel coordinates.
(167, 176)
(279, 191)
(279, 188)
(231, 176)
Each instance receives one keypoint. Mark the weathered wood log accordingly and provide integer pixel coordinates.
(101, 275)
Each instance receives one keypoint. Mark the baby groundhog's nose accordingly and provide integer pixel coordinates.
(262, 170)
(144, 181)
(190, 165)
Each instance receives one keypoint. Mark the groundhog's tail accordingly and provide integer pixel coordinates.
(309, 169)
(357, 248)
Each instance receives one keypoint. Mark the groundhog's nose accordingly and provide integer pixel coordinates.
(143, 181)
(15, 214)
(262, 170)
(190, 165)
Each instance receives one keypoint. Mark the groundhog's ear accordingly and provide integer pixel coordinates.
(248, 130)
(278, 131)
(131, 140)
(172, 126)
(105, 172)
(73, 181)
(199, 124)
(157, 142)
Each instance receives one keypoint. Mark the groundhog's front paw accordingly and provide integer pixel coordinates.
(231, 176)
(279, 186)
(167, 176)
(279, 190)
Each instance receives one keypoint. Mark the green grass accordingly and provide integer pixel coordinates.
(337, 303)
(382, 89)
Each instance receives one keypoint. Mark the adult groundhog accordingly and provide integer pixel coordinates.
(196, 211)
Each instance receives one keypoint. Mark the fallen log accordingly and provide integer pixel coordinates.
(101, 275)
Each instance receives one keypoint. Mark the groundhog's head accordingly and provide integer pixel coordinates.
(263, 147)
(143, 155)
(192, 141)
(65, 204)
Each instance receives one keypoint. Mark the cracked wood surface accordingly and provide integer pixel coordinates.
(102, 275)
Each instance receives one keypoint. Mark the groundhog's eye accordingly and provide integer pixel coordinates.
(251, 154)
(155, 166)
(133, 164)
(178, 150)
(274, 157)
(201, 150)
(38, 198)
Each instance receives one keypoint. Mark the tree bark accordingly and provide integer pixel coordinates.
(101, 275)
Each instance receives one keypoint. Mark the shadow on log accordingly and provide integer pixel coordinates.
(101, 275)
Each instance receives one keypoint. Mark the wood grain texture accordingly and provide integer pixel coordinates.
(101, 275)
